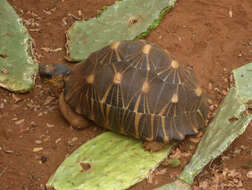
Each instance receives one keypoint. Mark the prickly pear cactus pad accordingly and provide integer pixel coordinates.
(107, 162)
(177, 185)
(243, 83)
(125, 20)
(17, 66)
(231, 121)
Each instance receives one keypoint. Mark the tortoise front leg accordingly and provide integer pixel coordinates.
(76, 121)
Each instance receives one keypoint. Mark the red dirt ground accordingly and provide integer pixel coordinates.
(213, 37)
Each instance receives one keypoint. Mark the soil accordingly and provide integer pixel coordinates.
(213, 37)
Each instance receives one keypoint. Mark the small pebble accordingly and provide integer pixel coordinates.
(210, 86)
(1, 105)
(225, 157)
(237, 151)
(74, 139)
(249, 174)
(46, 139)
(211, 108)
(58, 140)
(43, 159)
(38, 141)
(204, 185)
(194, 140)
(224, 92)
(19, 122)
(5, 71)
(230, 13)
(16, 99)
(33, 124)
(30, 105)
(210, 101)
(243, 147)
(50, 125)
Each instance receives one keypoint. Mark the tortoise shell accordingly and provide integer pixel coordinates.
(137, 89)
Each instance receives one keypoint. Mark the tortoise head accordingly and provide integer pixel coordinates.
(54, 70)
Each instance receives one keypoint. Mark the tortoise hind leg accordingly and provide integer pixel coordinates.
(77, 121)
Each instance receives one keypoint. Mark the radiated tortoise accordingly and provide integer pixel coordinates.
(137, 89)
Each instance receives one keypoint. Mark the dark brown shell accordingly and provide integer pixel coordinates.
(137, 89)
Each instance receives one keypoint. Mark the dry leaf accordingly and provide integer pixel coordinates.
(48, 100)
(50, 50)
(37, 149)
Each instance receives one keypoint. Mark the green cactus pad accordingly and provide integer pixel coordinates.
(107, 162)
(229, 123)
(177, 185)
(17, 67)
(125, 20)
(243, 83)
